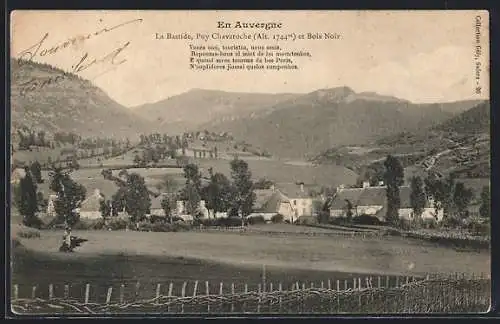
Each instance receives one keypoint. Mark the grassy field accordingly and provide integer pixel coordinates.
(369, 255)
(287, 172)
(112, 258)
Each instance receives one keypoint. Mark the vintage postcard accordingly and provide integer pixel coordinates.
(249, 162)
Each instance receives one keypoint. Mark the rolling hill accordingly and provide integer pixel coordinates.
(49, 99)
(196, 107)
(308, 124)
(459, 145)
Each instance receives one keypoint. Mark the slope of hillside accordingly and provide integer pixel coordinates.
(189, 110)
(460, 145)
(474, 120)
(46, 98)
(311, 123)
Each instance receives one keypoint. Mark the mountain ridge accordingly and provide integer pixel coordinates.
(47, 98)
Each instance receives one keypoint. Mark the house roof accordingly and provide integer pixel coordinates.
(93, 202)
(292, 190)
(371, 196)
(273, 203)
(156, 202)
(261, 197)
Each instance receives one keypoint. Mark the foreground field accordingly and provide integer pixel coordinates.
(388, 255)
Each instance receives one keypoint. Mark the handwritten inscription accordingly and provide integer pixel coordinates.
(82, 63)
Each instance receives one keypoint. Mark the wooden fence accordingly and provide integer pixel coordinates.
(437, 294)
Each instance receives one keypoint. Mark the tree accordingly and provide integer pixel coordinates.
(244, 197)
(462, 197)
(137, 200)
(348, 208)
(263, 183)
(118, 201)
(168, 204)
(107, 173)
(105, 207)
(168, 184)
(70, 196)
(393, 177)
(192, 197)
(123, 173)
(25, 198)
(74, 163)
(417, 196)
(485, 208)
(36, 171)
(137, 160)
(218, 192)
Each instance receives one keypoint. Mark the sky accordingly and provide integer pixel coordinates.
(421, 56)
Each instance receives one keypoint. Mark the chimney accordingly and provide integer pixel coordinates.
(366, 184)
(273, 188)
(97, 192)
(301, 187)
(340, 187)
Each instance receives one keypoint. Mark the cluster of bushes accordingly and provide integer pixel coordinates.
(227, 222)
(163, 227)
(28, 233)
(117, 224)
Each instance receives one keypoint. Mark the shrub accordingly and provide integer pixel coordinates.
(94, 224)
(307, 220)
(258, 219)
(28, 233)
(366, 220)
(277, 218)
(118, 224)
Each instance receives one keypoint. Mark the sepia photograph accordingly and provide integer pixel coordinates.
(252, 163)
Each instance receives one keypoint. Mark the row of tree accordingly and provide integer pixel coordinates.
(448, 195)
(235, 196)
(69, 196)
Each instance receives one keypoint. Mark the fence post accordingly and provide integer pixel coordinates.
(66, 291)
(263, 278)
(280, 288)
(122, 292)
(195, 288)
(330, 284)
(354, 283)
(345, 284)
(183, 294)
(387, 282)
(338, 296)
(312, 284)
(170, 289)
(33, 292)
(322, 285)
(397, 281)
(16, 292)
(158, 288)
(51, 291)
(378, 282)
(232, 297)
(87, 293)
(258, 302)
(207, 292)
(303, 286)
(108, 296)
(220, 287)
(246, 294)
